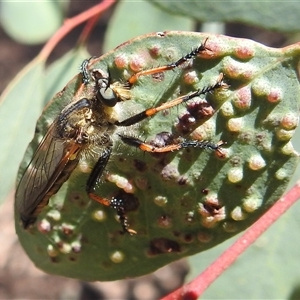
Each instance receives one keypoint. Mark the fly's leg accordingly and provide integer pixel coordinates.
(84, 70)
(184, 143)
(153, 110)
(118, 205)
(201, 48)
(95, 176)
(115, 203)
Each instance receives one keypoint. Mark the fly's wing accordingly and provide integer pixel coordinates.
(44, 175)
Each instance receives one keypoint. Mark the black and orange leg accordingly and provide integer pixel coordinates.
(115, 203)
(184, 143)
(201, 48)
(95, 176)
(154, 110)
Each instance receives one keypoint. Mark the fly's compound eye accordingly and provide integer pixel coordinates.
(105, 94)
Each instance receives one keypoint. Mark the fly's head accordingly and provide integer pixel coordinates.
(110, 93)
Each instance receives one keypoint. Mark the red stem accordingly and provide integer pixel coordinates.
(69, 24)
(195, 288)
(88, 29)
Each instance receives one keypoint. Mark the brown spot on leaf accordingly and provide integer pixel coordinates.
(163, 245)
(140, 165)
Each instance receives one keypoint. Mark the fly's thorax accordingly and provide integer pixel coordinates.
(79, 119)
(74, 125)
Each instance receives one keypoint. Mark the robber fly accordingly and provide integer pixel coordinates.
(86, 125)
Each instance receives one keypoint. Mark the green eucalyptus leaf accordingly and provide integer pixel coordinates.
(186, 201)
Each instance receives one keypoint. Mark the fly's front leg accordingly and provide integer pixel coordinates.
(191, 55)
(115, 203)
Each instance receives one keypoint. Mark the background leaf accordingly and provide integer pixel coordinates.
(32, 22)
(274, 15)
(131, 19)
(20, 106)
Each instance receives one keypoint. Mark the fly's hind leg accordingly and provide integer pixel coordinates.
(183, 143)
(115, 203)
